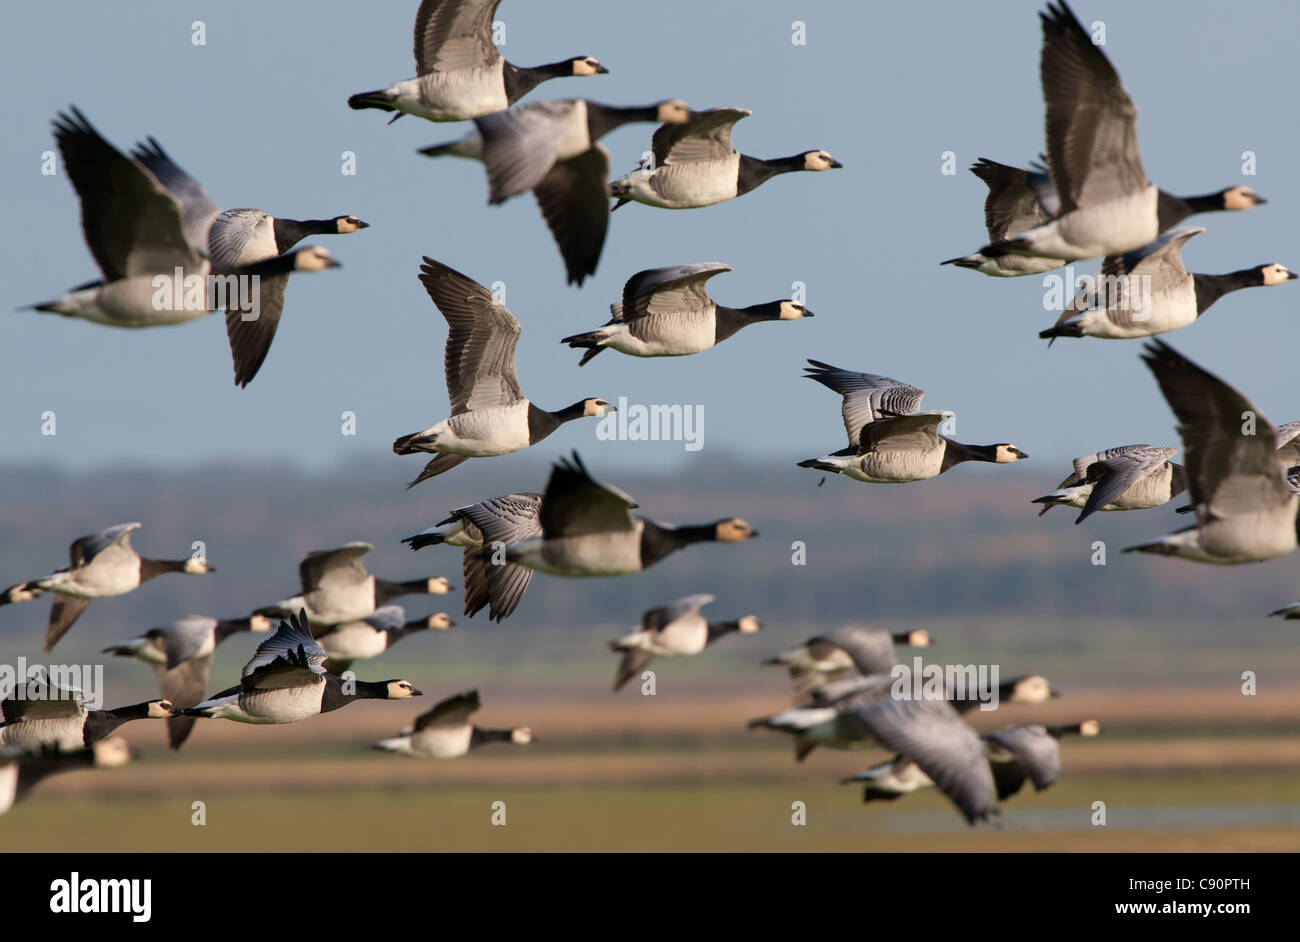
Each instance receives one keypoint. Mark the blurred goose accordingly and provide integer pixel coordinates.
(849, 651)
(890, 780)
(373, 635)
(134, 227)
(587, 530)
(286, 681)
(336, 588)
(1245, 510)
(931, 733)
(459, 72)
(694, 164)
(667, 312)
(1030, 751)
(673, 630)
(21, 769)
(181, 656)
(1107, 205)
(102, 565)
(890, 442)
(445, 732)
(40, 715)
(234, 240)
(1149, 292)
(489, 413)
(498, 521)
(1128, 477)
(550, 148)
(1020, 200)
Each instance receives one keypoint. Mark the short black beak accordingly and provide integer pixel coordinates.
(1290, 275)
(808, 313)
(333, 263)
(1259, 200)
(601, 70)
(836, 164)
(362, 225)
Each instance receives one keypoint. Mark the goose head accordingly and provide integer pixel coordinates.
(259, 623)
(160, 709)
(1089, 728)
(748, 624)
(1241, 197)
(674, 111)
(790, 311)
(1275, 274)
(438, 621)
(197, 567)
(592, 407)
(345, 224)
(733, 530)
(820, 160)
(112, 752)
(401, 690)
(587, 65)
(1005, 453)
(314, 258)
(438, 585)
(918, 638)
(1031, 689)
(521, 735)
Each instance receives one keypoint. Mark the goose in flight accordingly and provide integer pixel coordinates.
(489, 413)
(552, 148)
(286, 681)
(673, 630)
(40, 715)
(667, 312)
(22, 769)
(498, 521)
(235, 239)
(1107, 206)
(849, 651)
(890, 442)
(335, 587)
(102, 565)
(1020, 200)
(1127, 477)
(447, 732)
(181, 655)
(585, 528)
(1237, 479)
(1149, 292)
(134, 228)
(459, 72)
(693, 164)
(373, 635)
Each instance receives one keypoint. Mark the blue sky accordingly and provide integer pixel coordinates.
(259, 115)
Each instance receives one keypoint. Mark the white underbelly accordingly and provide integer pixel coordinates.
(356, 642)
(498, 430)
(456, 95)
(448, 743)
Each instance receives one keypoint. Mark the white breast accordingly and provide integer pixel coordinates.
(282, 704)
(455, 96)
(485, 432)
(443, 743)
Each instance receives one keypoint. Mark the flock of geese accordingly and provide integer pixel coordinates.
(143, 216)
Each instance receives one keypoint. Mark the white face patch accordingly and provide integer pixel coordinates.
(791, 311)
(674, 112)
(597, 407)
(521, 736)
(1089, 728)
(439, 620)
(259, 623)
(1240, 197)
(586, 67)
(733, 531)
(919, 638)
(1276, 274)
(159, 709)
(400, 690)
(197, 567)
(111, 753)
(1009, 453)
(314, 258)
(748, 624)
(348, 224)
(1033, 689)
(817, 160)
(438, 586)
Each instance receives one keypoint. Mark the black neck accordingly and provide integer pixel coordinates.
(1209, 288)
(542, 423)
(955, 453)
(386, 591)
(728, 320)
(657, 541)
(1056, 732)
(755, 171)
(152, 568)
(521, 80)
(227, 627)
(100, 723)
(334, 698)
(289, 232)
(480, 736)
(601, 119)
(1171, 210)
(718, 629)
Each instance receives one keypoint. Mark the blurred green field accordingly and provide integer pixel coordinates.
(1177, 770)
